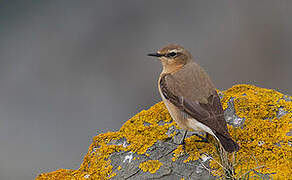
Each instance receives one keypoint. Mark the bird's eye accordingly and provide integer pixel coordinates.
(172, 54)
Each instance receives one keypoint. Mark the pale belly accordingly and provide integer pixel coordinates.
(183, 120)
(176, 115)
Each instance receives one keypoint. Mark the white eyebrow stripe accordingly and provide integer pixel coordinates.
(175, 50)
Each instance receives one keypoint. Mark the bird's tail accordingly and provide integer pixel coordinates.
(228, 144)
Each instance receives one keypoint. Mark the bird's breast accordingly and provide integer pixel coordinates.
(177, 115)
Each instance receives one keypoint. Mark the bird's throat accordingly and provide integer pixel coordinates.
(171, 68)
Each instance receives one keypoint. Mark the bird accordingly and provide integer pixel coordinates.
(190, 96)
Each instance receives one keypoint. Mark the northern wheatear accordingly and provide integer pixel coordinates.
(190, 96)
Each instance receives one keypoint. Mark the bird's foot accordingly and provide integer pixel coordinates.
(182, 141)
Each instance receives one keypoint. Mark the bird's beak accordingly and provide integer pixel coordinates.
(155, 54)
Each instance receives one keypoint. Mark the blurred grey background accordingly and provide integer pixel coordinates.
(71, 68)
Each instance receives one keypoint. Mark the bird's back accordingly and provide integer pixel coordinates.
(193, 83)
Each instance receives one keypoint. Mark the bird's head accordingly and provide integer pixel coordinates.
(172, 56)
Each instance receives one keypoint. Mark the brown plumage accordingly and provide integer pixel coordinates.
(190, 95)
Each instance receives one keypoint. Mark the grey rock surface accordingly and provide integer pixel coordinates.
(163, 151)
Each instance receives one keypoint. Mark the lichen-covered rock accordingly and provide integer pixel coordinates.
(146, 145)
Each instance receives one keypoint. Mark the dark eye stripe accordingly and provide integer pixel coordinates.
(171, 54)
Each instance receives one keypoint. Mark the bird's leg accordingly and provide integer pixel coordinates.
(203, 139)
(182, 142)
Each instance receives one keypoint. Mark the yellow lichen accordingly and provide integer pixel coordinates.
(195, 149)
(64, 173)
(263, 138)
(140, 138)
(177, 152)
(150, 166)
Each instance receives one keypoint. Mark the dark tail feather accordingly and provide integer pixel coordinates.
(228, 144)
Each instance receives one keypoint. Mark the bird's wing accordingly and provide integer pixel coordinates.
(195, 96)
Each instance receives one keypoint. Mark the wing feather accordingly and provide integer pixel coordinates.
(195, 96)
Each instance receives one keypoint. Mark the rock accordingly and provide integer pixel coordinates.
(146, 146)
